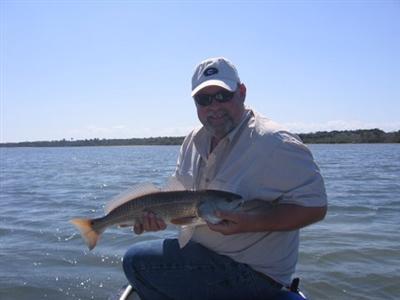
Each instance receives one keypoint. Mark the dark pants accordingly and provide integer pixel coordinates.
(161, 270)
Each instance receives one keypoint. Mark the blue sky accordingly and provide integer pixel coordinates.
(122, 69)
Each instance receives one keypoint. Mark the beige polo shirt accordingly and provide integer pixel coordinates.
(258, 160)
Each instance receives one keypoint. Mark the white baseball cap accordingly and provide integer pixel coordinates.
(215, 71)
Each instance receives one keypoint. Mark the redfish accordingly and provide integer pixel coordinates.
(185, 208)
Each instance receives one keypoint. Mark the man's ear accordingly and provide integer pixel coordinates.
(242, 91)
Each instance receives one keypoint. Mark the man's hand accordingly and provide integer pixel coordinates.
(232, 222)
(151, 222)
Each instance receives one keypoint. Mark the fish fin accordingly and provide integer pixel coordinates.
(88, 233)
(185, 234)
(134, 192)
(173, 184)
(184, 220)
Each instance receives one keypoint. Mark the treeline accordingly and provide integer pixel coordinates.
(321, 137)
(351, 136)
(100, 142)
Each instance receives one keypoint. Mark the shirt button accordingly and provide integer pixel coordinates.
(207, 180)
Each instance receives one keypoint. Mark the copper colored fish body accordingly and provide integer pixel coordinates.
(186, 208)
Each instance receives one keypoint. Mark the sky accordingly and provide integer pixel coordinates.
(122, 69)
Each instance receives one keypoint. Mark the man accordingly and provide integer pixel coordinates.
(250, 254)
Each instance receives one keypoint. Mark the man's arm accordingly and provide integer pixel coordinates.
(283, 217)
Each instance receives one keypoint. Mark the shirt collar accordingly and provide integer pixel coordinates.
(245, 117)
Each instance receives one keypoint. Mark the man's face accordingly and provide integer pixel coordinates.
(220, 118)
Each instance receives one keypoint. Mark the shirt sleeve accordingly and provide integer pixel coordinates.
(296, 174)
(183, 171)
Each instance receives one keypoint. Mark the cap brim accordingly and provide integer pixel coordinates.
(229, 85)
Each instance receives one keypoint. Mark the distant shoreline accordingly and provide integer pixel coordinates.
(361, 136)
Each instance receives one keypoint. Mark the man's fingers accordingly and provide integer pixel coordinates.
(146, 221)
(138, 228)
(231, 222)
(226, 215)
(161, 224)
(150, 223)
(215, 227)
(153, 223)
(224, 227)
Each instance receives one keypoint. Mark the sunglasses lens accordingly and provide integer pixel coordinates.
(221, 97)
(203, 100)
(224, 96)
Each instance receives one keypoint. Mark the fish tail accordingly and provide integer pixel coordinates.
(88, 233)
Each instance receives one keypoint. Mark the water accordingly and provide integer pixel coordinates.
(353, 254)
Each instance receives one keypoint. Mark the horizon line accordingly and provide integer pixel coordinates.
(182, 136)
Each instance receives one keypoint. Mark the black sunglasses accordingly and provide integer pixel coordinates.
(221, 97)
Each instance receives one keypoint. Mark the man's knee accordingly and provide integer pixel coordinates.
(134, 256)
(128, 262)
(142, 254)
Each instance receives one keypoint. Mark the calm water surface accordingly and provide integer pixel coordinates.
(353, 254)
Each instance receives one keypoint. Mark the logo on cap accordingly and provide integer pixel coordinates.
(210, 71)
